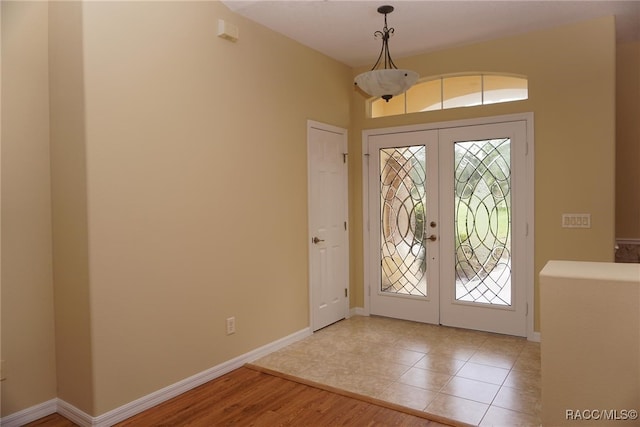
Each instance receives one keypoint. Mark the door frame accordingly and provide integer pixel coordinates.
(528, 186)
(311, 124)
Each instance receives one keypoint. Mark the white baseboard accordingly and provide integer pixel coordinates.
(28, 415)
(137, 406)
(535, 337)
(74, 414)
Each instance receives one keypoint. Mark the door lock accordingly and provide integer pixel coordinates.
(316, 240)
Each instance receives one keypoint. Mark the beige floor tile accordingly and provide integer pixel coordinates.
(471, 389)
(439, 363)
(285, 363)
(408, 363)
(523, 380)
(495, 358)
(407, 395)
(397, 355)
(459, 352)
(362, 384)
(531, 349)
(432, 333)
(500, 417)
(421, 345)
(381, 368)
(527, 364)
(467, 411)
(529, 358)
(488, 374)
(466, 338)
(528, 401)
(329, 372)
(425, 379)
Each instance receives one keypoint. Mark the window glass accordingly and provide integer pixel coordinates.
(504, 89)
(452, 92)
(382, 108)
(463, 91)
(425, 96)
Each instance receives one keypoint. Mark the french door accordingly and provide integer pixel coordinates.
(447, 228)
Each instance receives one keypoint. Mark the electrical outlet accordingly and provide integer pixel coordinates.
(231, 325)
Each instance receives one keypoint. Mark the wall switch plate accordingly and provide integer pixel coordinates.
(582, 220)
(231, 325)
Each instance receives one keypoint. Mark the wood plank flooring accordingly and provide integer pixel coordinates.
(247, 397)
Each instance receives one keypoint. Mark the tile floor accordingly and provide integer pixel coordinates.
(474, 377)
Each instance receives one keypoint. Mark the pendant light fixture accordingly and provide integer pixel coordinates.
(388, 81)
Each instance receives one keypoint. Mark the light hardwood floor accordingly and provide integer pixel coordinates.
(247, 397)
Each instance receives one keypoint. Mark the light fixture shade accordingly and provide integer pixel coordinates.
(387, 82)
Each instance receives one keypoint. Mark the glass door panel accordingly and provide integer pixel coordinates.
(482, 218)
(402, 220)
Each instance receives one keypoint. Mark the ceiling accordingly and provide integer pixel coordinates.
(343, 29)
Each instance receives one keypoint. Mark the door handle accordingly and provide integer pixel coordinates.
(316, 240)
(433, 238)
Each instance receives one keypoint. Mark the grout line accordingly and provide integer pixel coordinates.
(485, 343)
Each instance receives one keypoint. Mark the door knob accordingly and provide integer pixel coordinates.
(433, 238)
(316, 240)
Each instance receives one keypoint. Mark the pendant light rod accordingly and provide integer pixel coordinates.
(385, 34)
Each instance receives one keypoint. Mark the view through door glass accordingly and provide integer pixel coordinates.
(483, 221)
(402, 220)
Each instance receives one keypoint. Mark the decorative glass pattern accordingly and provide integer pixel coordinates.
(402, 224)
(483, 221)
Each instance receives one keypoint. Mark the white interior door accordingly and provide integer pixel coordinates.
(403, 195)
(328, 238)
(447, 226)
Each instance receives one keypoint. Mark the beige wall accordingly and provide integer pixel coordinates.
(28, 343)
(74, 361)
(572, 94)
(628, 141)
(196, 189)
(178, 179)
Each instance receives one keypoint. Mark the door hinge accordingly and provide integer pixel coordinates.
(345, 226)
(527, 310)
(345, 292)
(344, 157)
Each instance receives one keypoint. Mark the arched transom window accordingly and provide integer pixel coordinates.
(452, 91)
